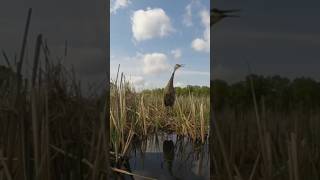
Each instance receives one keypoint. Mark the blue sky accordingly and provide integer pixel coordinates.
(149, 36)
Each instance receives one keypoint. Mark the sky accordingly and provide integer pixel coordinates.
(148, 37)
(275, 37)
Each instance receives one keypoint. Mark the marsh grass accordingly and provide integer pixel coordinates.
(48, 129)
(54, 117)
(263, 143)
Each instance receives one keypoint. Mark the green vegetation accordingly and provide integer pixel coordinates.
(185, 91)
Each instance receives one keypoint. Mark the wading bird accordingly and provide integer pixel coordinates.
(169, 92)
(217, 15)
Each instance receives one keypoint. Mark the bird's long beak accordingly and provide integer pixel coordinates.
(225, 13)
(230, 10)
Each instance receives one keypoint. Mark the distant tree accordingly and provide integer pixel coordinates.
(305, 92)
(220, 93)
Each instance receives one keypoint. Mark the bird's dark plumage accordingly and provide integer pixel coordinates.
(216, 15)
(169, 92)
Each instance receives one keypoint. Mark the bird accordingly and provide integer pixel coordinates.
(217, 15)
(169, 92)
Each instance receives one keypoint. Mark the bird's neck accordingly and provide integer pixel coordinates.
(172, 76)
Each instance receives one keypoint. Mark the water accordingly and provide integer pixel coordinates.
(169, 157)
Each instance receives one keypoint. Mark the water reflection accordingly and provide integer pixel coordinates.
(167, 157)
(168, 153)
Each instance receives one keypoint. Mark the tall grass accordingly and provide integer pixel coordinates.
(264, 143)
(48, 129)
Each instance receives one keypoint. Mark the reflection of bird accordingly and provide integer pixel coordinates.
(169, 92)
(216, 15)
(168, 154)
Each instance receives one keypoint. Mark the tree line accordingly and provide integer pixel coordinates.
(195, 90)
(273, 92)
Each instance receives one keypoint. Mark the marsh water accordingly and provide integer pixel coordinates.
(169, 156)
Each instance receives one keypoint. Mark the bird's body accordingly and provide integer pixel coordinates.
(169, 92)
(217, 15)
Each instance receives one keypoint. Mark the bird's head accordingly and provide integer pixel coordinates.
(177, 66)
(216, 14)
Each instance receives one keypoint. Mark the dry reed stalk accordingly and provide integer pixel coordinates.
(131, 174)
(143, 116)
(34, 109)
(261, 132)
(294, 156)
(254, 167)
(36, 59)
(202, 123)
(35, 130)
(19, 105)
(239, 177)
(223, 151)
(193, 110)
(5, 167)
(24, 43)
(6, 59)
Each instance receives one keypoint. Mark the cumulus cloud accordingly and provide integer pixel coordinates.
(202, 44)
(150, 23)
(176, 53)
(155, 63)
(199, 44)
(117, 4)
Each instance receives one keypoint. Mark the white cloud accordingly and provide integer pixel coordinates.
(200, 45)
(137, 80)
(205, 18)
(187, 17)
(117, 4)
(203, 44)
(150, 23)
(176, 53)
(179, 84)
(155, 63)
(196, 73)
